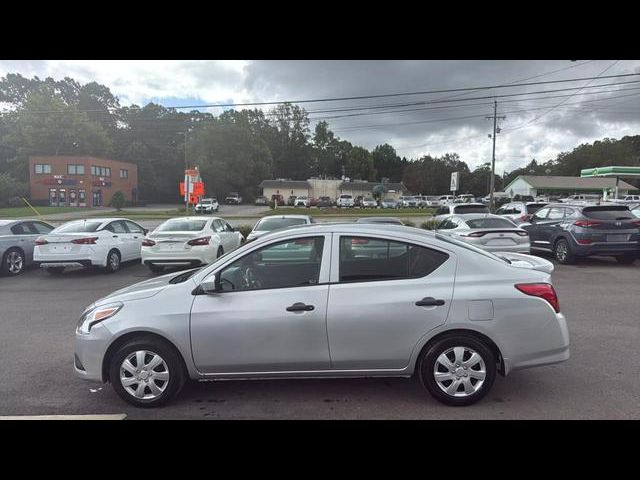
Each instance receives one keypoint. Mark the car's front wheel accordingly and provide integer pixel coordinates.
(13, 262)
(457, 370)
(146, 372)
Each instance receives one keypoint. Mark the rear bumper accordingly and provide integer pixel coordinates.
(190, 257)
(66, 263)
(524, 248)
(605, 248)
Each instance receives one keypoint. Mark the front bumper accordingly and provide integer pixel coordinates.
(89, 353)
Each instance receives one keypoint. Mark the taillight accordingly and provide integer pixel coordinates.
(522, 233)
(525, 217)
(148, 242)
(359, 241)
(199, 241)
(586, 223)
(474, 234)
(636, 223)
(85, 241)
(542, 290)
(585, 241)
(41, 241)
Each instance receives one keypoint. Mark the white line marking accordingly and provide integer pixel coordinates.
(117, 416)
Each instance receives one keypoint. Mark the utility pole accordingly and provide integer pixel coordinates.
(186, 167)
(492, 187)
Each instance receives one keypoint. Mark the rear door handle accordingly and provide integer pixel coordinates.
(300, 307)
(429, 302)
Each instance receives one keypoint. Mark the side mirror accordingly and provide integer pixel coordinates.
(211, 285)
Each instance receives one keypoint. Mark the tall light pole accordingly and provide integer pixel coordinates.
(186, 167)
(493, 157)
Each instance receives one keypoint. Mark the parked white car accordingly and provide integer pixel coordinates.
(302, 202)
(368, 202)
(460, 208)
(189, 241)
(345, 201)
(446, 199)
(101, 242)
(207, 205)
(489, 232)
(627, 199)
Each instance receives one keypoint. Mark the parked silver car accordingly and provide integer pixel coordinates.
(520, 212)
(459, 208)
(275, 222)
(329, 300)
(17, 239)
(489, 232)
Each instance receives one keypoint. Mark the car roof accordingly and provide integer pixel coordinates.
(191, 217)
(468, 204)
(379, 220)
(476, 216)
(286, 216)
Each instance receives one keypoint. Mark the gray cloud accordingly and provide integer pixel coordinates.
(435, 131)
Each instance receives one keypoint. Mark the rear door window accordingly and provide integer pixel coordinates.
(556, 214)
(117, 227)
(42, 228)
(370, 259)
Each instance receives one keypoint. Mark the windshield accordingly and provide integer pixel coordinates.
(607, 213)
(269, 224)
(471, 209)
(490, 223)
(182, 225)
(80, 226)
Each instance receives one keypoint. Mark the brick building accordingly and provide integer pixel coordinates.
(80, 181)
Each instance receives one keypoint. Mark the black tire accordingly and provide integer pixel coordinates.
(220, 252)
(174, 364)
(155, 268)
(427, 365)
(626, 259)
(13, 262)
(113, 261)
(562, 252)
(55, 270)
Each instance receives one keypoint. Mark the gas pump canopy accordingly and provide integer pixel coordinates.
(616, 172)
(611, 172)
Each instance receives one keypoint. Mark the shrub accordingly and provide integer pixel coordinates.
(409, 223)
(429, 225)
(10, 188)
(245, 230)
(118, 201)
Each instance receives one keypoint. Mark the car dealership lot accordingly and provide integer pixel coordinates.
(38, 314)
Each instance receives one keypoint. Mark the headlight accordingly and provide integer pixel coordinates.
(97, 315)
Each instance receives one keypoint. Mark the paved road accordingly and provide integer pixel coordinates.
(599, 297)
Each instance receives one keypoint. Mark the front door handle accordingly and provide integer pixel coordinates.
(429, 302)
(300, 307)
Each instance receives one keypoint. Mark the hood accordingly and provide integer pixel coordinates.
(138, 291)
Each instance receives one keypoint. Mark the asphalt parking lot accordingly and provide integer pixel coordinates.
(38, 314)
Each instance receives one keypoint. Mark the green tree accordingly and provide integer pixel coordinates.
(359, 164)
(118, 201)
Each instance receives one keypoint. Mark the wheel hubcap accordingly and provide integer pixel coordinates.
(14, 262)
(114, 261)
(460, 371)
(561, 251)
(144, 375)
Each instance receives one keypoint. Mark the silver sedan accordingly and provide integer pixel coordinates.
(17, 239)
(329, 300)
(494, 233)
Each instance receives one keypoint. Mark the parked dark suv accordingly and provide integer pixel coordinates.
(571, 231)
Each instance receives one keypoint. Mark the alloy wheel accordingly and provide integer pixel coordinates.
(459, 371)
(114, 261)
(144, 375)
(15, 262)
(561, 251)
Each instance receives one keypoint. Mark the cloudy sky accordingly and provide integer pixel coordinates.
(537, 125)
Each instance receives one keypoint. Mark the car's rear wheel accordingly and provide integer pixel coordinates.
(13, 262)
(626, 259)
(113, 261)
(146, 372)
(55, 270)
(457, 370)
(155, 268)
(562, 252)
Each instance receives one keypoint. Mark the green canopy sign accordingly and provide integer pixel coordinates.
(611, 172)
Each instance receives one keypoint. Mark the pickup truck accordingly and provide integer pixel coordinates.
(233, 198)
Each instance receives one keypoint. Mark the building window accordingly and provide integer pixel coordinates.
(100, 171)
(42, 168)
(124, 173)
(75, 169)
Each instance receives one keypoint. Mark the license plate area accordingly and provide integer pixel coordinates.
(618, 238)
